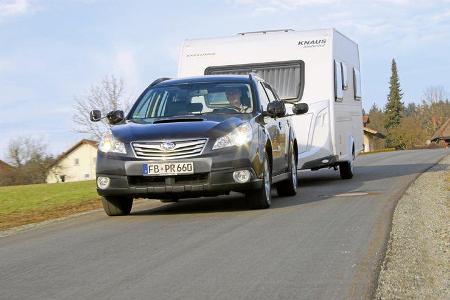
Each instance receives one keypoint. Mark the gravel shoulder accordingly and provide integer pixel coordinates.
(417, 260)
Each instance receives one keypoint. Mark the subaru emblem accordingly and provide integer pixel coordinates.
(167, 146)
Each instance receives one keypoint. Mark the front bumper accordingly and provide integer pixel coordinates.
(213, 175)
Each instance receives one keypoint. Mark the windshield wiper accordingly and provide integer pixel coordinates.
(177, 119)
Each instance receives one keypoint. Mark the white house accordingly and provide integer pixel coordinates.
(76, 164)
(370, 136)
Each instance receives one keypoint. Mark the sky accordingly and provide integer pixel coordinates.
(52, 51)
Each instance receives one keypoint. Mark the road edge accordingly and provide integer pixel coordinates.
(370, 266)
(415, 260)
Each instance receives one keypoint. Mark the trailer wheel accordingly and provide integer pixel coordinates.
(346, 168)
(117, 206)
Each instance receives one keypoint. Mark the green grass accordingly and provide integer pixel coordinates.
(33, 198)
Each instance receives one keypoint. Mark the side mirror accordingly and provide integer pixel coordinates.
(115, 117)
(95, 115)
(300, 108)
(276, 109)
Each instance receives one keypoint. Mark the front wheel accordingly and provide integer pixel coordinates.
(117, 206)
(262, 198)
(288, 187)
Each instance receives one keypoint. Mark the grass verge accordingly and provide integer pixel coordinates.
(20, 205)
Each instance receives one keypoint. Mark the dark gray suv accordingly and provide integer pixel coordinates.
(200, 136)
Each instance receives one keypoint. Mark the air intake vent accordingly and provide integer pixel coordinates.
(161, 150)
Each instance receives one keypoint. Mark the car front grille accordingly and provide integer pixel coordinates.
(157, 151)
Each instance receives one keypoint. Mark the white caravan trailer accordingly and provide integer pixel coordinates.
(317, 67)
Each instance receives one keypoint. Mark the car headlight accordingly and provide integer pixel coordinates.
(239, 136)
(109, 144)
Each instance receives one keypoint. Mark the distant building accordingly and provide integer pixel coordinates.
(442, 135)
(370, 136)
(6, 174)
(76, 164)
(5, 168)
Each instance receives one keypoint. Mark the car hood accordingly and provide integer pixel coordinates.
(179, 128)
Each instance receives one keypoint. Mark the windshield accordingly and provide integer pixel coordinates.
(194, 99)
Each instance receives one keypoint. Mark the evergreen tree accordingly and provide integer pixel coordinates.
(376, 117)
(374, 109)
(410, 109)
(394, 105)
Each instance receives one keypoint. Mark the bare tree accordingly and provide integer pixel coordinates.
(29, 159)
(21, 150)
(434, 94)
(435, 109)
(105, 96)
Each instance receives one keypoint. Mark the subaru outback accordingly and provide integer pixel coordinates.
(195, 137)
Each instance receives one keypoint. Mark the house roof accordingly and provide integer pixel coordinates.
(73, 148)
(373, 132)
(5, 167)
(366, 119)
(443, 133)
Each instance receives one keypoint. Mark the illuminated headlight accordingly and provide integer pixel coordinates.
(239, 136)
(110, 144)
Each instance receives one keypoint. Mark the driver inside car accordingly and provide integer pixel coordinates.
(234, 96)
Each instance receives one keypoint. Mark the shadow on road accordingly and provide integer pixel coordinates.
(362, 173)
(313, 186)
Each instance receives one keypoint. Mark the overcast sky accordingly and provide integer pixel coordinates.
(53, 51)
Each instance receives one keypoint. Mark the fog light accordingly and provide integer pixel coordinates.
(242, 176)
(103, 182)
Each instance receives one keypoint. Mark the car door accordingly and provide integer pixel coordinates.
(272, 128)
(282, 142)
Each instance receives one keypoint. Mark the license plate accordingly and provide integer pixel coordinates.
(168, 168)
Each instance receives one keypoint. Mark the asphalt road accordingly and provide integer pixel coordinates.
(324, 243)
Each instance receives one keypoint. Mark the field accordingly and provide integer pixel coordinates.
(20, 205)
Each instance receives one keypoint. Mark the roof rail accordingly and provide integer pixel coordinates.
(253, 75)
(266, 31)
(159, 80)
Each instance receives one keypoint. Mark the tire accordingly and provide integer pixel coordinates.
(117, 206)
(346, 168)
(288, 187)
(262, 198)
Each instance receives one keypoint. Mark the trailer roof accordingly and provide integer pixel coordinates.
(278, 32)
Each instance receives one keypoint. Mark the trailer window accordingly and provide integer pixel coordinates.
(357, 84)
(286, 77)
(338, 92)
(344, 76)
(270, 93)
(263, 98)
